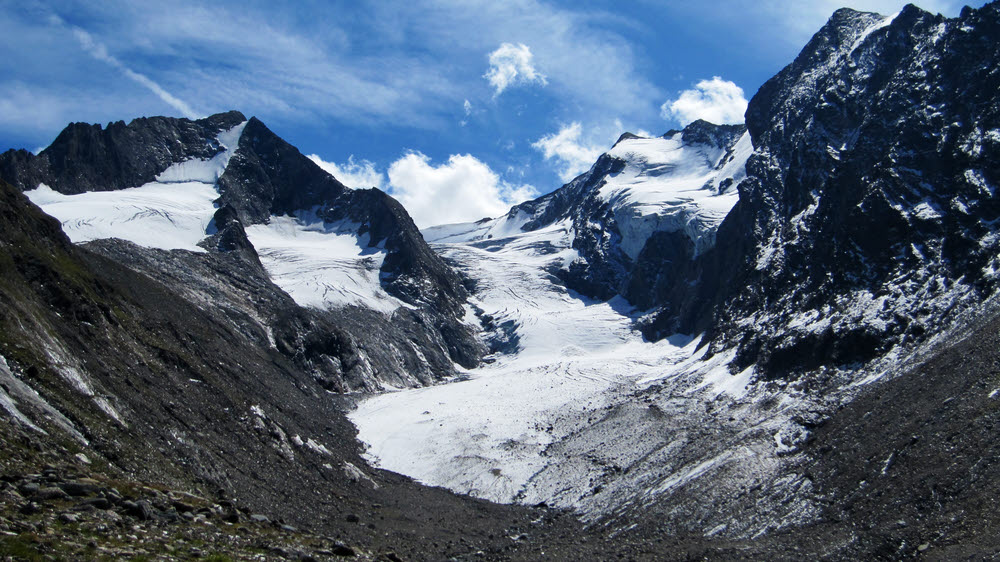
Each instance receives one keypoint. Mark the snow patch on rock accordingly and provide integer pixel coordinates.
(669, 185)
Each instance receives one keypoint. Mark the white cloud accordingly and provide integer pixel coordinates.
(716, 101)
(367, 65)
(354, 174)
(467, 106)
(100, 52)
(587, 53)
(512, 65)
(574, 156)
(462, 190)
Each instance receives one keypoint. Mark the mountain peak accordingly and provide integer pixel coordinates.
(624, 137)
(224, 120)
(722, 136)
(88, 157)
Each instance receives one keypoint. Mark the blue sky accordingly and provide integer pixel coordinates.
(458, 108)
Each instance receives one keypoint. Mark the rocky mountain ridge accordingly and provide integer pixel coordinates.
(263, 177)
(645, 203)
(866, 220)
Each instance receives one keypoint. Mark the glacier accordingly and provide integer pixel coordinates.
(174, 212)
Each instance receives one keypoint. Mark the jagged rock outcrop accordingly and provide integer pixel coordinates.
(866, 220)
(645, 203)
(261, 176)
(87, 157)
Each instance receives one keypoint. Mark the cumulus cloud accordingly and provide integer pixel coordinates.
(566, 147)
(463, 189)
(354, 174)
(511, 65)
(716, 101)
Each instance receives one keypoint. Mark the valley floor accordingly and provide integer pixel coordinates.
(500, 433)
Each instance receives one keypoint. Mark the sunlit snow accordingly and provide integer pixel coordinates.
(173, 212)
(322, 265)
(504, 433)
(488, 435)
(673, 186)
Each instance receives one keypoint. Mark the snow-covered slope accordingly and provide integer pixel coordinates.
(684, 181)
(173, 212)
(567, 358)
(646, 201)
(670, 185)
(321, 264)
(383, 308)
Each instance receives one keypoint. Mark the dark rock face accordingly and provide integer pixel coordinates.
(91, 158)
(266, 176)
(867, 217)
(703, 132)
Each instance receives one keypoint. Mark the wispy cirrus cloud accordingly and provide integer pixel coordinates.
(368, 64)
(201, 58)
(97, 50)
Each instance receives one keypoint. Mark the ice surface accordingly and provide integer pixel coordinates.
(668, 185)
(489, 435)
(171, 213)
(166, 216)
(322, 265)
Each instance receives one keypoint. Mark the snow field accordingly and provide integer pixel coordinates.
(319, 265)
(172, 213)
(322, 265)
(672, 186)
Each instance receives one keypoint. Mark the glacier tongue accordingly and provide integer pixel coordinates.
(550, 417)
(487, 435)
